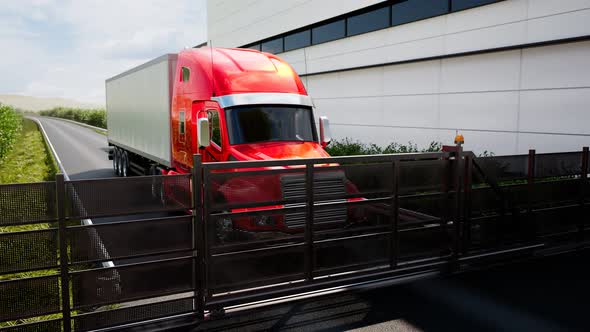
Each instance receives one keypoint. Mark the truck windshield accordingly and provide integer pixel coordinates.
(252, 124)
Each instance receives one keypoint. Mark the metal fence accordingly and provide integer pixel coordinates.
(230, 234)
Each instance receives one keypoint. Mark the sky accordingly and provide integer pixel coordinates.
(67, 48)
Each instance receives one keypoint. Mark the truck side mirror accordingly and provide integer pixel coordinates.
(325, 133)
(203, 135)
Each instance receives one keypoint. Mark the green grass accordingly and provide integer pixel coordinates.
(29, 160)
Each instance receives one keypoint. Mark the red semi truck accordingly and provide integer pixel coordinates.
(224, 104)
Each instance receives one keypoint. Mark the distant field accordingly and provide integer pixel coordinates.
(36, 104)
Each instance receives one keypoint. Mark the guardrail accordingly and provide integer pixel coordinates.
(238, 235)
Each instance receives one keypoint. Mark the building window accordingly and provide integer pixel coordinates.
(186, 74)
(374, 20)
(465, 4)
(273, 46)
(387, 14)
(328, 32)
(298, 40)
(415, 10)
(254, 47)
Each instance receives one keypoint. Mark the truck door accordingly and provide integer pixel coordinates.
(214, 151)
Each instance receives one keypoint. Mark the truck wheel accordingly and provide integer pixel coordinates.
(117, 161)
(124, 164)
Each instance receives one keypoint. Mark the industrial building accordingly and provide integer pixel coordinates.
(509, 75)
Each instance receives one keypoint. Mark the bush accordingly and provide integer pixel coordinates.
(349, 147)
(95, 117)
(10, 127)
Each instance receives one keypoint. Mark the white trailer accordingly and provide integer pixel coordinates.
(138, 109)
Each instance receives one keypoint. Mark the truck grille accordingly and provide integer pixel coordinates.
(327, 185)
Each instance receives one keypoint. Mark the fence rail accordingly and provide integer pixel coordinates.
(233, 233)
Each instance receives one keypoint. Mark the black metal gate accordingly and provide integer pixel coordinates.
(94, 254)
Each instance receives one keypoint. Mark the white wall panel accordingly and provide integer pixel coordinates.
(423, 48)
(486, 38)
(560, 26)
(412, 78)
(483, 72)
(556, 111)
(484, 111)
(411, 111)
(351, 111)
(538, 8)
(559, 66)
(367, 82)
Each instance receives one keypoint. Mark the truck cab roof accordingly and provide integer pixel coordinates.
(226, 71)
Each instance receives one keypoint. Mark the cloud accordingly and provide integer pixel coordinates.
(68, 48)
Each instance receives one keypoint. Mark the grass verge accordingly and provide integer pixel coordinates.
(29, 160)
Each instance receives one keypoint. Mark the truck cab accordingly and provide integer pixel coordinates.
(254, 104)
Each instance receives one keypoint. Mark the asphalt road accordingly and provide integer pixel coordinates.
(550, 294)
(82, 151)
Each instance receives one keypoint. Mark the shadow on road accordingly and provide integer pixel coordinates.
(93, 174)
(550, 294)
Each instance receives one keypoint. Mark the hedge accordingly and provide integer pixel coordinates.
(349, 147)
(93, 117)
(10, 127)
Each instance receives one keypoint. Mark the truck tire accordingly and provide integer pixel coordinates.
(117, 159)
(124, 164)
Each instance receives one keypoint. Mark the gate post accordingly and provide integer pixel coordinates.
(583, 193)
(199, 266)
(309, 213)
(394, 219)
(60, 187)
(467, 204)
(457, 204)
(531, 226)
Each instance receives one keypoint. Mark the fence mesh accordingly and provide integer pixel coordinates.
(28, 250)
(500, 169)
(92, 198)
(29, 297)
(128, 315)
(558, 164)
(146, 237)
(25, 203)
(124, 283)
